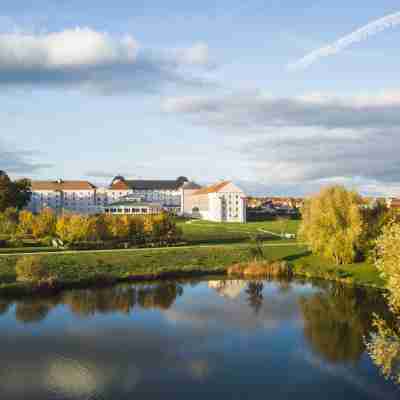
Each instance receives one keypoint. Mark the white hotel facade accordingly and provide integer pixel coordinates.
(222, 202)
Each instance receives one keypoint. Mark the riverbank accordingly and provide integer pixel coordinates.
(83, 269)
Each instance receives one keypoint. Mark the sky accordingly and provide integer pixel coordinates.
(282, 97)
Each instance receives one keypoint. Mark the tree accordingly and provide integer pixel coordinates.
(9, 221)
(44, 224)
(384, 345)
(76, 228)
(5, 191)
(22, 193)
(63, 227)
(26, 221)
(333, 225)
(13, 194)
(375, 219)
(388, 262)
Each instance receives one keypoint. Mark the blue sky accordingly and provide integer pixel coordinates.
(161, 89)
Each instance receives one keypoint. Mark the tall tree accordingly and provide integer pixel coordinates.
(14, 194)
(333, 224)
(388, 262)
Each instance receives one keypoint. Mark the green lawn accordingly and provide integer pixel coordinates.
(86, 268)
(312, 266)
(214, 232)
(200, 232)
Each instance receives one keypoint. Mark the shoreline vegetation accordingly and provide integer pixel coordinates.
(57, 272)
(102, 250)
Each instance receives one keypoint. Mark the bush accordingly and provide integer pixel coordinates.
(255, 249)
(262, 269)
(15, 242)
(31, 269)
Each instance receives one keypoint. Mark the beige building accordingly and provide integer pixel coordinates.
(78, 197)
(221, 202)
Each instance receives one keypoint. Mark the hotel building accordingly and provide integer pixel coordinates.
(221, 202)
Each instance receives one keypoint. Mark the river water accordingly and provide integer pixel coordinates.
(203, 339)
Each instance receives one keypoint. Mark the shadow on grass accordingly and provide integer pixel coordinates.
(7, 278)
(294, 257)
(231, 240)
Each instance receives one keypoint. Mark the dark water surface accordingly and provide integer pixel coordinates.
(192, 340)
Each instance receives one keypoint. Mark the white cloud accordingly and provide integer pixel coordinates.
(371, 29)
(96, 60)
(19, 162)
(198, 54)
(72, 48)
(308, 140)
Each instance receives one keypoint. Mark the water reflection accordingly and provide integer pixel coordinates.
(87, 303)
(337, 318)
(218, 339)
(255, 296)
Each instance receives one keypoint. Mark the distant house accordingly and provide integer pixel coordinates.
(221, 202)
(393, 203)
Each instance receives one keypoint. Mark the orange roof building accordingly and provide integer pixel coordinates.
(220, 202)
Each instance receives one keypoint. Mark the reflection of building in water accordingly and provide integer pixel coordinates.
(229, 288)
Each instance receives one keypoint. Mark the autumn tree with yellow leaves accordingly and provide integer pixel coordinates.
(44, 224)
(332, 224)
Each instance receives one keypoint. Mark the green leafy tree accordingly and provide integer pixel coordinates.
(388, 262)
(9, 221)
(384, 344)
(333, 225)
(13, 194)
(22, 193)
(375, 219)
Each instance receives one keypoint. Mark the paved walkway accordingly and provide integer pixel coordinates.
(148, 249)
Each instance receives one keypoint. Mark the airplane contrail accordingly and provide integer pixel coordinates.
(373, 28)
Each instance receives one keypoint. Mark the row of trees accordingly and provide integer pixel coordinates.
(73, 228)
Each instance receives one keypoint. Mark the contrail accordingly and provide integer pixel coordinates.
(390, 21)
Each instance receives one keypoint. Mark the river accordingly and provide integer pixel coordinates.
(200, 339)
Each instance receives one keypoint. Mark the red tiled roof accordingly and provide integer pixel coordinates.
(62, 185)
(119, 185)
(212, 189)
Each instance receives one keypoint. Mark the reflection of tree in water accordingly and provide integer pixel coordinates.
(384, 348)
(88, 302)
(254, 295)
(105, 300)
(4, 306)
(34, 310)
(336, 320)
(161, 296)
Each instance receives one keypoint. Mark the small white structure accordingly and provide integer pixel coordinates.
(133, 206)
(221, 202)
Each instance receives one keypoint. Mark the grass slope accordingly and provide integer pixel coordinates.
(215, 232)
(87, 268)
